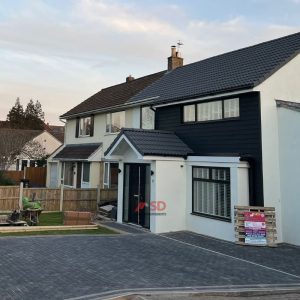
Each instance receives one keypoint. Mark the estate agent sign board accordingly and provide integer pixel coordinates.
(255, 228)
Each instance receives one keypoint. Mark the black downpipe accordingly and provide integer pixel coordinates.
(251, 161)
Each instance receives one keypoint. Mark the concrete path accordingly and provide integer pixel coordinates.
(97, 267)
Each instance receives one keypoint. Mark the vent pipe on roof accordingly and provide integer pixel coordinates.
(129, 78)
(174, 61)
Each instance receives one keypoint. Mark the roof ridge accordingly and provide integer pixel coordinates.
(240, 49)
(132, 81)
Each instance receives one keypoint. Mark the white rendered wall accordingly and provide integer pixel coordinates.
(289, 163)
(170, 187)
(132, 120)
(239, 182)
(282, 85)
(48, 142)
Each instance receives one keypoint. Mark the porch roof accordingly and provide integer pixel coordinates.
(152, 142)
(77, 151)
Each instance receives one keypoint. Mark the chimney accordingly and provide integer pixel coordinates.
(129, 78)
(174, 61)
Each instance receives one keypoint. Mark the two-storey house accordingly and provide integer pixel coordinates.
(90, 128)
(226, 133)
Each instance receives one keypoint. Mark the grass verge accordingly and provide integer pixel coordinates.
(51, 219)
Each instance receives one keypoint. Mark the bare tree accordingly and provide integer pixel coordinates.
(16, 143)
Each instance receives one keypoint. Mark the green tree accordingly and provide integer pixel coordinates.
(34, 115)
(16, 115)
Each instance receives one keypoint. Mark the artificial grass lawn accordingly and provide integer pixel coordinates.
(100, 230)
(56, 219)
(51, 219)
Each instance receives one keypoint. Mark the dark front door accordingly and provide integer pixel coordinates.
(136, 205)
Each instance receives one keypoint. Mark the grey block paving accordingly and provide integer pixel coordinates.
(73, 266)
(284, 257)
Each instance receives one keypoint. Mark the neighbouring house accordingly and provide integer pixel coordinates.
(57, 131)
(25, 148)
(90, 128)
(226, 133)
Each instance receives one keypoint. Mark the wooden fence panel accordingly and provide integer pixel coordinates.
(9, 197)
(74, 199)
(49, 198)
(14, 176)
(108, 195)
(36, 176)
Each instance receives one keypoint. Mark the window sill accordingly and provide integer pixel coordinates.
(111, 133)
(84, 136)
(211, 217)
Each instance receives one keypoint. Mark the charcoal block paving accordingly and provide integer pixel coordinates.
(62, 267)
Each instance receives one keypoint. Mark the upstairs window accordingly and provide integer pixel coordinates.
(147, 118)
(231, 108)
(115, 121)
(189, 113)
(211, 110)
(84, 127)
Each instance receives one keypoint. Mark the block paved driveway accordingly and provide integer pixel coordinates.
(64, 267)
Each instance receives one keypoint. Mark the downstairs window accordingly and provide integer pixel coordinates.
(211, 192)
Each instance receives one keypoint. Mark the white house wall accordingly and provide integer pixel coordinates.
(282, 85)
(239, 182)
(289, 162)
(170, 189)
(132, 120)
(48, 142)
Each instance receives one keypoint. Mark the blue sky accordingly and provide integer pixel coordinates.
(62, 51)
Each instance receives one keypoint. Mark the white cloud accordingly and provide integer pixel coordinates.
(62, 57)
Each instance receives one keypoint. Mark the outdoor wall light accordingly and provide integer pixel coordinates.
(152, 172)
(119, 171)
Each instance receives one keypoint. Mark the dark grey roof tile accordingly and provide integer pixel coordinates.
(77, 151)
(236, 70)
(154, 142)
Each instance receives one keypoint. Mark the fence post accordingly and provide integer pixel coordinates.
(21, 196)
(98, 194)
(61, 196)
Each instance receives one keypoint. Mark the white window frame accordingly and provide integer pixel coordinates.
(83, 127)
(63, 173)
(212, 112)
(143, 113)
(106, 172)
(212, 187)
(108, 122)
(85, 183)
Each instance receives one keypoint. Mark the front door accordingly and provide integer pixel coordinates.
(136, 205)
